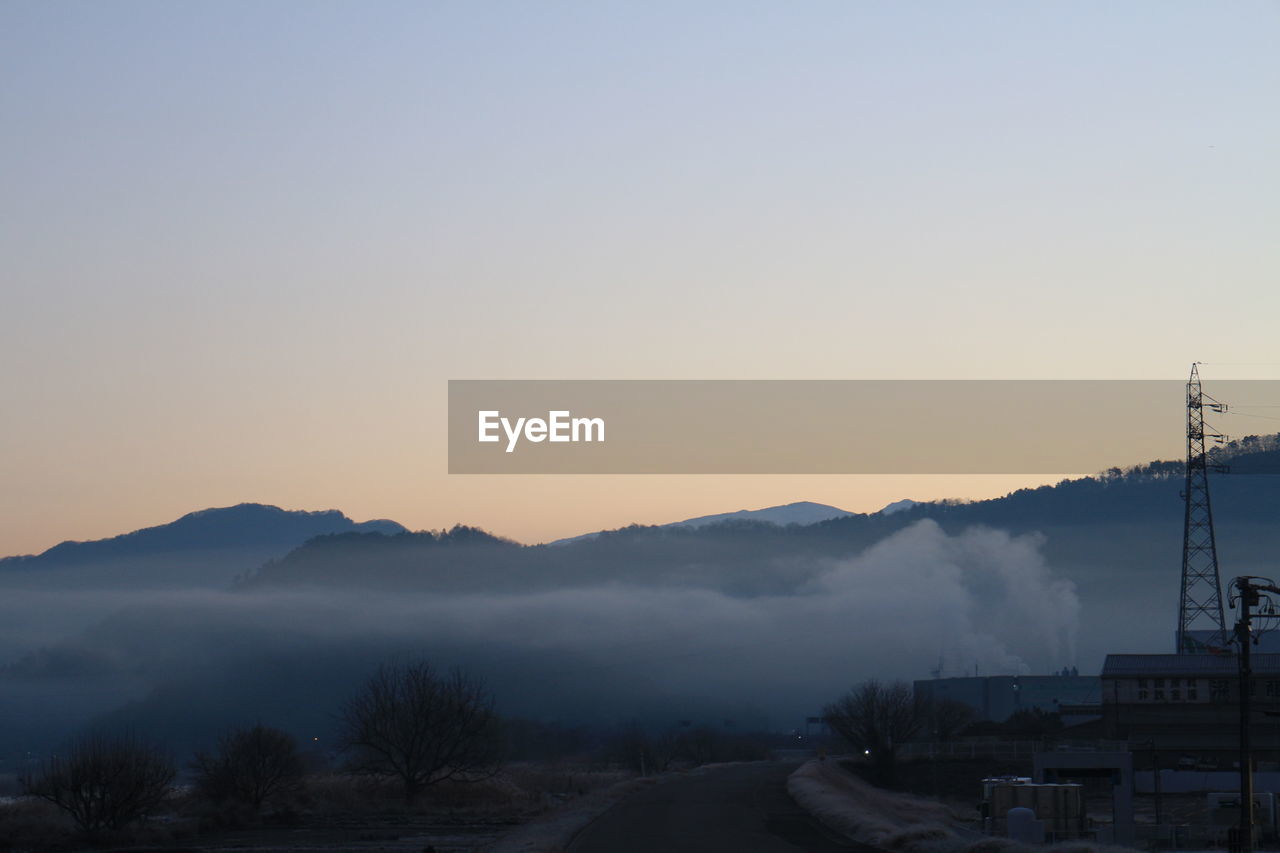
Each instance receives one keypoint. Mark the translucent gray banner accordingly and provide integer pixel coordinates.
(830, 426)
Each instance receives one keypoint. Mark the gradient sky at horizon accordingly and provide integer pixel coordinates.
(244, 245)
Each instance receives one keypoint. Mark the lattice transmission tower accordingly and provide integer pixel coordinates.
(1201, 626)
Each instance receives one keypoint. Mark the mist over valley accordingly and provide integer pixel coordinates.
(740, 623)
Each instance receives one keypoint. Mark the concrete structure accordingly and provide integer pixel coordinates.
(996, 697)
(1054, 767)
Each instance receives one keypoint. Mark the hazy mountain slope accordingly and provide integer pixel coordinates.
(208, 547)
(1117, 537)
(381, 561)
(800, 512)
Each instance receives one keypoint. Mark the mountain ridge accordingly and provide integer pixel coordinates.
(250, 527)
(1123, 520)
(797, 512)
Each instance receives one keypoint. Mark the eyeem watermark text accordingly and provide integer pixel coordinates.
(558, 426)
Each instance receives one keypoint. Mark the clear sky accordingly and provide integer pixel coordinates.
(244, 245)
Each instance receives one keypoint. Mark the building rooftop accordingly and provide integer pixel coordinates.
(1209, 665)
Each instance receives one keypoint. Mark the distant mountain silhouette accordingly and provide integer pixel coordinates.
(1116, 535)
(395, 559)
(246, 534)
(800, 512)
(898, 506)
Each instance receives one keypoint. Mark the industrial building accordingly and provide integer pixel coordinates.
(996, 697)
(1189, 705)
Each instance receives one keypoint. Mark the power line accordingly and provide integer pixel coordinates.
(1249, 415)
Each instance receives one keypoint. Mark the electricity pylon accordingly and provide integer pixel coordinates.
(1200, 608)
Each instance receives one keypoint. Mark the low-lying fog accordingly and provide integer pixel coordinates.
(183, 665)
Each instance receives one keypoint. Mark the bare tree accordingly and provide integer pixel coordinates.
(876, 718)
(700, 745)
(411, 724)
(645, 752)
(1034, 722)
(105, 782)
(947, 718)
(249, 766)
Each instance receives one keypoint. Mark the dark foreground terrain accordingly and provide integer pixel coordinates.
(730, 808)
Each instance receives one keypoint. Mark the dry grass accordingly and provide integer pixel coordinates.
(30, 824)
(33, 825)
(868, 814)
(518, 790)
(903, 823)
(331, 809)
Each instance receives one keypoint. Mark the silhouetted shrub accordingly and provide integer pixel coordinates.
(249, 766)
(105, 782)
(874, 718)
(420, 728)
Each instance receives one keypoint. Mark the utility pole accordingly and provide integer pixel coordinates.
(1250, 592)
(1157, 782)
(1155, 779)
(1244, 634)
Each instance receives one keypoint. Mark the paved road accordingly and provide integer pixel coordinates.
(738, 809)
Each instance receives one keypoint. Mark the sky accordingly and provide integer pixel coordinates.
(244, 246)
